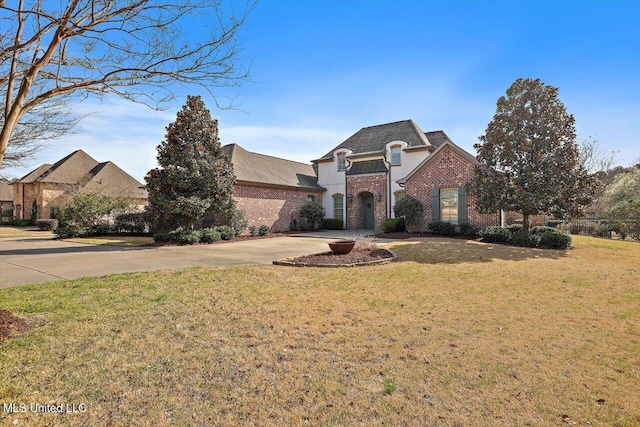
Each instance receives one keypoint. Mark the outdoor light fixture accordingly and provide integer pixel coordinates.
(350, 198)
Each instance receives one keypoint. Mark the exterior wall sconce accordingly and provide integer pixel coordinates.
(350, 198)
(379, 196)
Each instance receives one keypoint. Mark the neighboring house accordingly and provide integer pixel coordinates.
(6, 200)
(369, 172)
(49, 184)
(271, 190)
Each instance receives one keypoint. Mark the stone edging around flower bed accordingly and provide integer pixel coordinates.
(290, 263)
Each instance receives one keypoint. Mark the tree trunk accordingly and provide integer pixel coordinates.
(525, 221)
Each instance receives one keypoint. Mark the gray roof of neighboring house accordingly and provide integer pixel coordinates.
(6, 190)
(375, 138)
(80, 169)
(369, 166)
(261, 169)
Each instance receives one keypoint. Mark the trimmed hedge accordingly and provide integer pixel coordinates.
(393, 225)
(495, 234)
(541, 236)
(209, 235)
(555, 240)
(442, 228)
(332, 224)
(133, 222)
(226, 232)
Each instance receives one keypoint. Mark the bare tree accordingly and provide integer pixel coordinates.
(55, 52)
(593, 157)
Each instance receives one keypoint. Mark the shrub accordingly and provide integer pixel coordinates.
(411, 209)
(133, 222)
(442, 228)
(495, 234)
(524, 239)
(513, 228)
(164, 237)
(555, 240)
(540, 229)
(98, 230)
(226, 232)
(187, 237)
(209, 235)
(364, 244)
(393, 225)
(47, 224)
(313, 213)
(263, 230)
(467, 229)
(21, 222)
(332, 224)
(237, 221)
(70, 229)
(253, 230)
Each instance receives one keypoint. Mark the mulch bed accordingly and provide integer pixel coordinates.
(10, 324)
(352, 259)
(406, 235)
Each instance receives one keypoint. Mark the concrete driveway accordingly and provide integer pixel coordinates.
(39, 260)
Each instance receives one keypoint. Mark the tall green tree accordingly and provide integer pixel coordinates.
(195, 176)
(529, 159)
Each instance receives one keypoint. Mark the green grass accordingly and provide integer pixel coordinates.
(456, 333)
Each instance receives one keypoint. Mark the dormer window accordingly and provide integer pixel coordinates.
(396, 155)
(342, 161)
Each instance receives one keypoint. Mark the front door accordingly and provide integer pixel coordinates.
(367, 200)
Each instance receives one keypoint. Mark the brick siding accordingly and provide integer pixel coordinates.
(357, 185)
(274, 207)
(448, 169)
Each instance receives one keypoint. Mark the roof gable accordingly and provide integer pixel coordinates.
(261, 169)
(72, 169)
(433, 155)
(108, 179)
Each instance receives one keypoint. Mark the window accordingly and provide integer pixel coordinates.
(311, 198)
(449, 205)
(338, 205)
(342, 161)
(53, 213)
(396, 155)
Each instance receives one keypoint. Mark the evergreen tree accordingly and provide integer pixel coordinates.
(195, 176)
(529, 159)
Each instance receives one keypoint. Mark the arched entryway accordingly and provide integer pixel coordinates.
(367, 206)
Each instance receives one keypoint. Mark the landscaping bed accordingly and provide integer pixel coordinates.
(352, 259)
(10, 324)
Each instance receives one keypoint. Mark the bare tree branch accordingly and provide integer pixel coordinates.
(136, 49)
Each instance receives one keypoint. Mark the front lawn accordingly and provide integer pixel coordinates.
(11, 231)
(456, 333)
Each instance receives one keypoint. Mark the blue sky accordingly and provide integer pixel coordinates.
(321, 70)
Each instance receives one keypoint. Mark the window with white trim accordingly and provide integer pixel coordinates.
(449, 205)
(338, 206)
(342, 161)
(396, 156)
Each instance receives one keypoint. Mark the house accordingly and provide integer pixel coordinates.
(360, 180)
(6, 200)
(271, 190)
(45, 187)
(369, 172)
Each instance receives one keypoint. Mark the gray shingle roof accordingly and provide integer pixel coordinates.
(369, 166)
(375, 138)
(437, 137)
(261, 169)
